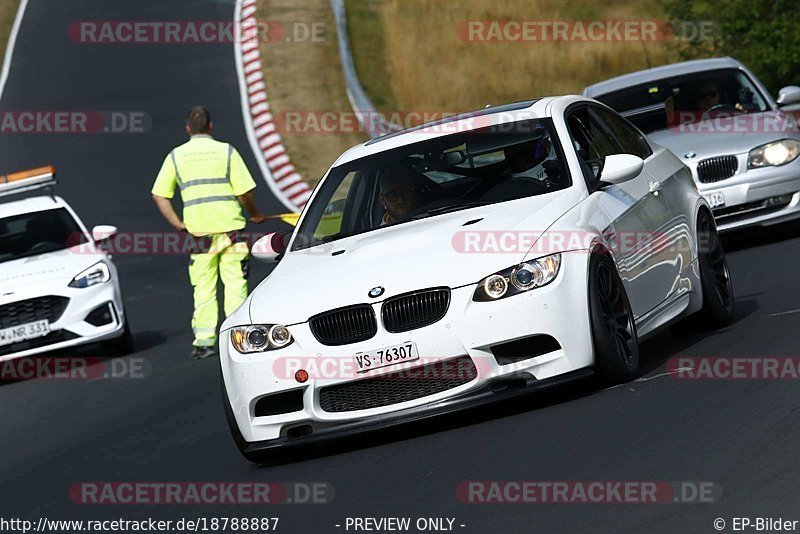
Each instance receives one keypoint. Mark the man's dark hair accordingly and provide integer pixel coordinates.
(198, 120)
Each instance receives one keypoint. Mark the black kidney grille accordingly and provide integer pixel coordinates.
(715, 169)
(28, 311)
(398, 386)
(344, 325)
(415, 310)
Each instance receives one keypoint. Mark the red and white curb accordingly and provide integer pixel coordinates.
(279, 173)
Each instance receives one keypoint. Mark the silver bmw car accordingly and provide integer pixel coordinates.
(741, 145)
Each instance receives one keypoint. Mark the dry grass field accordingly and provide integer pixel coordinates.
(429, 64)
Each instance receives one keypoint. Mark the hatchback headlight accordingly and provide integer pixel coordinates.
(98, 273)
(518, 279)
(260, 338)
(773, 154)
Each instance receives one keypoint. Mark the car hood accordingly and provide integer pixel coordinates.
(415, 255)
(727, 135)
(59, 266)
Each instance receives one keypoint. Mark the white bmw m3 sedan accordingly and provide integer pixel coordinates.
(467, 260)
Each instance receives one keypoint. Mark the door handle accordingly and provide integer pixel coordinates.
(655, 187)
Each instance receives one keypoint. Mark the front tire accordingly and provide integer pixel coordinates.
(715, 276)
(614, 337)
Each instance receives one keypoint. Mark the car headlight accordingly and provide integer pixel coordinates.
(98, 273)
(773, 154)
(518, 279)
(260, 338)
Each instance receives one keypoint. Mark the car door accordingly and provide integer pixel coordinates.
(634, 210)
(662, 208)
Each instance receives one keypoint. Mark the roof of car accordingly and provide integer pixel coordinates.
(9, 208)
(527, 109)
(658, 73)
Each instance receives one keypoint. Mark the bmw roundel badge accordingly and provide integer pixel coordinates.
(376, 292)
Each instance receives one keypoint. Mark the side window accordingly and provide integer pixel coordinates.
(631, 140)
(591, 142)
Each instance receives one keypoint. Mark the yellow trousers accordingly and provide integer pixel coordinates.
(222, 259)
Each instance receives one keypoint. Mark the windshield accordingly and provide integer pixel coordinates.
(36, 233)
(426, 179)
(678, 100)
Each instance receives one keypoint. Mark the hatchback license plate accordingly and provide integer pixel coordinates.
(23, 332)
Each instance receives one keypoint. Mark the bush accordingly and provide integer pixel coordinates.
(762, 34)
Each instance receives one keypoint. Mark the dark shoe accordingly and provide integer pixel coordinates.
(201, 353)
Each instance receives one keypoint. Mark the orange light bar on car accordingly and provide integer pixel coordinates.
(38, 172)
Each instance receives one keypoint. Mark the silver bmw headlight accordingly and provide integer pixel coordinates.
(773, 154)
(98, 273)
(518, 279)
(260, 338)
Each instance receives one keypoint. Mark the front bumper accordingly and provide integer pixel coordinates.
(756, 197)
(559, 310)
(70, 328)
(497, 390)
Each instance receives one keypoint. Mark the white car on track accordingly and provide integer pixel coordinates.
(468, 260)
(58, 288)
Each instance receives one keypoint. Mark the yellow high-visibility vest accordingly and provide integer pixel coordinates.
(210, 175)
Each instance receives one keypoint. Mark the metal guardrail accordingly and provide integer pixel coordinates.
(371, 120)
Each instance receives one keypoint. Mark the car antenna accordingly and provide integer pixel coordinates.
(646, 54)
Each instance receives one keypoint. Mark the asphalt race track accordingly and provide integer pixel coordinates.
(169, 425)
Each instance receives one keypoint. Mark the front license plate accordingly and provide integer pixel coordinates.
(715, 200)
(23, 332)
(375, 359)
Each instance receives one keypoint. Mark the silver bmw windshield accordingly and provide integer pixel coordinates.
(677, 100)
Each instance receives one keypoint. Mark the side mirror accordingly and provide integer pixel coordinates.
(789, 95)
(103, 232)
(270, 247)
(619, 168)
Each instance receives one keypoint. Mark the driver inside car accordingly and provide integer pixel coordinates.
(708, 97)
(398, 194)
(525, 159)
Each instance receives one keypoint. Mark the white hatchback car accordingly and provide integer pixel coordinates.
(464, 261)
(58, 289)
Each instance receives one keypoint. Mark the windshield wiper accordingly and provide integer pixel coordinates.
(449, 208)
